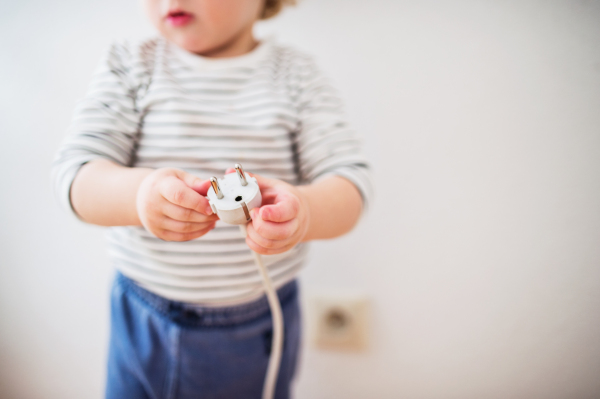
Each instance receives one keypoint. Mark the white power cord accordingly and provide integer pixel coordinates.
(232, 198)
(276, 314)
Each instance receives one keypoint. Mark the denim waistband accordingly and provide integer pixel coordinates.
(195, 315)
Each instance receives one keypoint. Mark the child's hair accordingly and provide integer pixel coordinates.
(273, 7)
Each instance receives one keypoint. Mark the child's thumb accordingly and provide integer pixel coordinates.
(193, 182)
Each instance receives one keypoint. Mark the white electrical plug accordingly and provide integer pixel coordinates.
(233, 197)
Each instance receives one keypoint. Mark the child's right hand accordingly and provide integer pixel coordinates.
(171, 204)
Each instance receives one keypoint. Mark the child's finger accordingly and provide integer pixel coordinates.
(193, 182)
(183, 227)
(274, 231)
(285, 208)
(266, 242)
(267, 251)
(178, 193)
(168, 235)
(180, 213)
(265, 183)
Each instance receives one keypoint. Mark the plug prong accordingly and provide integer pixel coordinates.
(215, 185)
(246, 212)
(241, 175)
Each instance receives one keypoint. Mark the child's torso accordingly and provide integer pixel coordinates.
(204, 118)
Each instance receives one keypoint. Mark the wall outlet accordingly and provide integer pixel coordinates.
(339, 322)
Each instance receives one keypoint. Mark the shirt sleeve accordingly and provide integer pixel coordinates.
(326, 145)
(105, 123)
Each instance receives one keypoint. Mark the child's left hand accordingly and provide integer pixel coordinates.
(282, 220)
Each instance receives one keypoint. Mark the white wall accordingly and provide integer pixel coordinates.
(481, 254)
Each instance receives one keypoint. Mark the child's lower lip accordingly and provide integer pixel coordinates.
(179, 19)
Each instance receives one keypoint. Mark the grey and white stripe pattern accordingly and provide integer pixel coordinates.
(155, 105)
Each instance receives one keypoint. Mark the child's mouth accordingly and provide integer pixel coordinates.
(179, 18)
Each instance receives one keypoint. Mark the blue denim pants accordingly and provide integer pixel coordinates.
(165, 349)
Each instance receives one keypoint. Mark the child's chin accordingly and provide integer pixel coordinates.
(188, 43)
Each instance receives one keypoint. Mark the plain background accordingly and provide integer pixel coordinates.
(480, 255)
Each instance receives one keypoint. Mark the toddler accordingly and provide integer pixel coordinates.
(188, 313)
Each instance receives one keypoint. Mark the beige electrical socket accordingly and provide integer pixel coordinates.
(338, 322)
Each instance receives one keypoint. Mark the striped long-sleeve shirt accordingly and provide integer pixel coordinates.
(155, 105)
